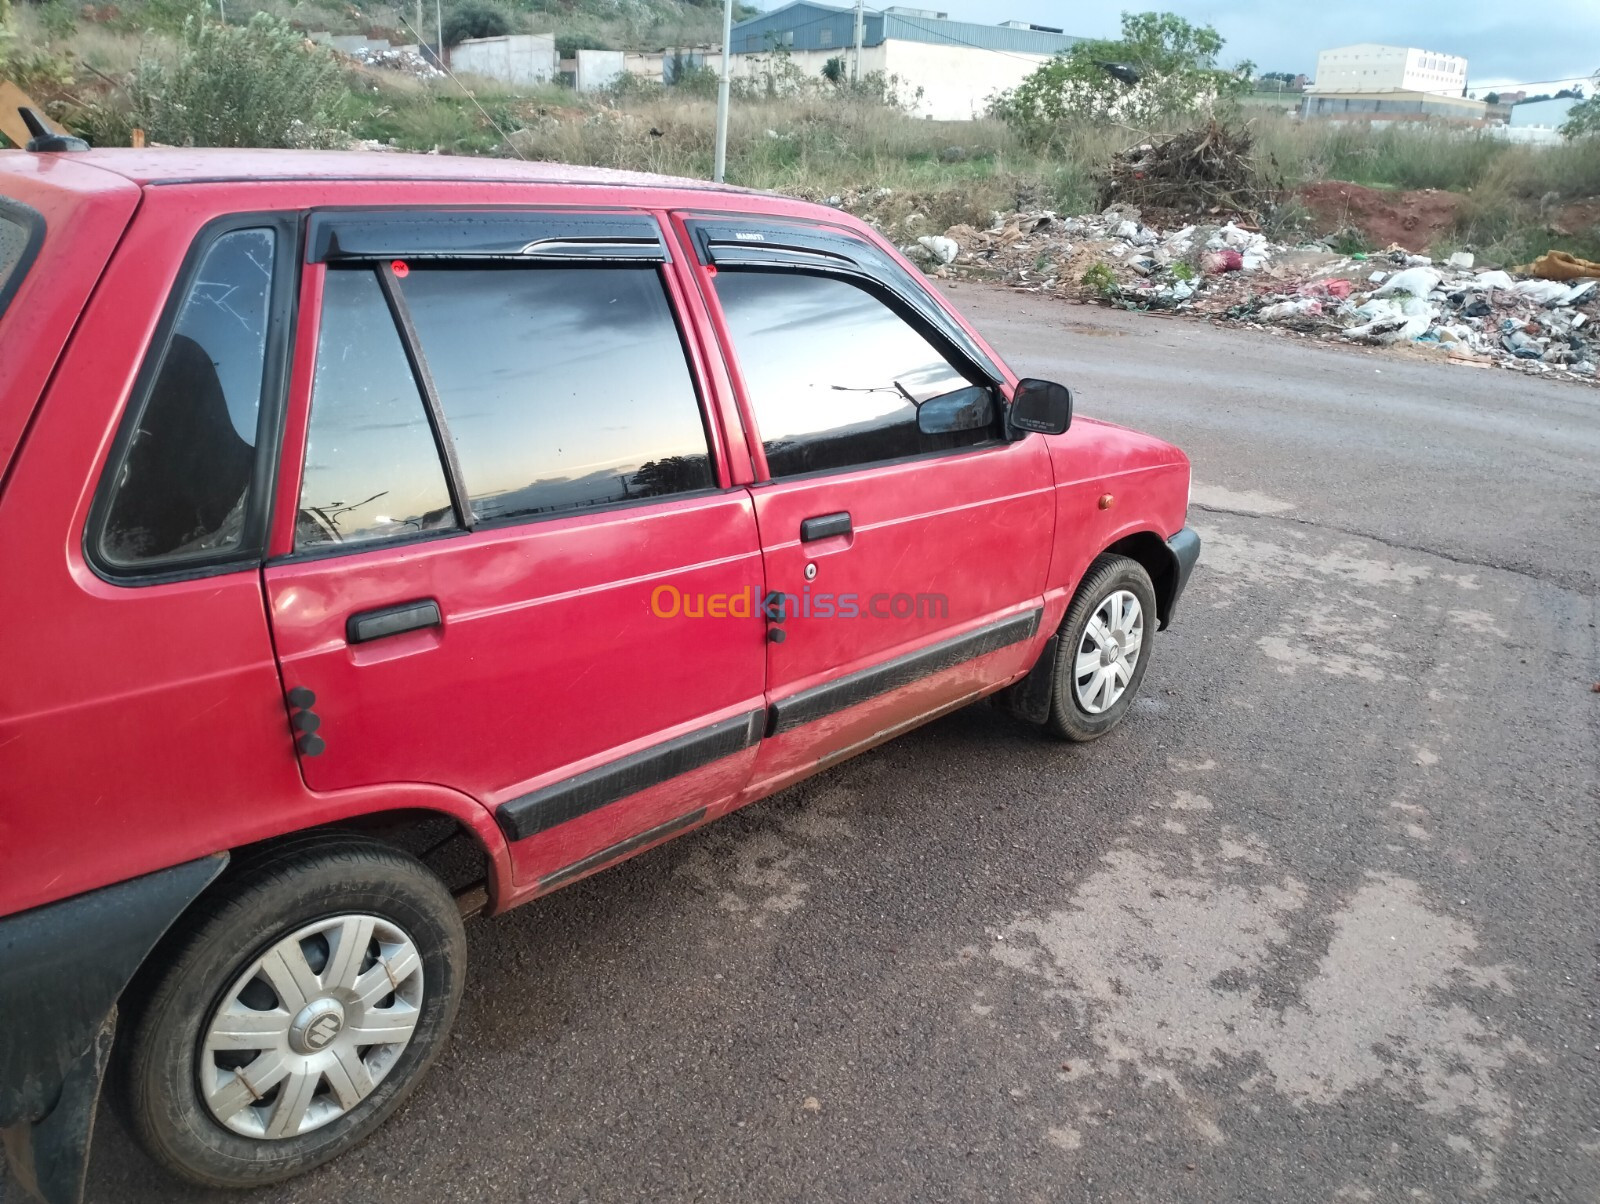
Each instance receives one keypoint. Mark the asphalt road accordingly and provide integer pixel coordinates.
(1318, 923)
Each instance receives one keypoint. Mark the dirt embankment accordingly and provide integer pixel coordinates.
(1411, 219)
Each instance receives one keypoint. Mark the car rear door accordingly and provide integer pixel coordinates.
(905, 569)
(505, 457)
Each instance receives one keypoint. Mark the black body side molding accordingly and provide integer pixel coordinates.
(808, 705)
(540, 810)
(62, 968)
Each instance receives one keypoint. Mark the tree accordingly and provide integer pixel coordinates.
(1493, 98)
(1583, 119)
(472, 20)
(1174, 63)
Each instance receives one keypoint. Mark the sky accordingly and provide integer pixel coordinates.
(1506, 44)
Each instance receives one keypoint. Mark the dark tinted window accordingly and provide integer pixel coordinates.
(14, 238)
(184, 484)
(562, 387)
(372, 468)
(834, 375)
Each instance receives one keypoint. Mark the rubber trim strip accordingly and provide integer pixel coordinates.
(540, 810)
(813, 704)
(621, 849)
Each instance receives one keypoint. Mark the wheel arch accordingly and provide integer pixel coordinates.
(1157, 559)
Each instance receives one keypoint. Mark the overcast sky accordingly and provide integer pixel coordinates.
(1507, 42)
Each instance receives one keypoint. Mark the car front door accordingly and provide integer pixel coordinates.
(905, 537)
(506, 459)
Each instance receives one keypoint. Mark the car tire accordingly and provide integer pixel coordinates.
(1096, 679)
(217, 1110)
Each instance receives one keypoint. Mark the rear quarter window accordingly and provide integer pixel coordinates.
(21, 232)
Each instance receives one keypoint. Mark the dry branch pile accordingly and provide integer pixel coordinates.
(1204, 171)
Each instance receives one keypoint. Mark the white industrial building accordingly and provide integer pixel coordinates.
(1368, 67)
(945, 69)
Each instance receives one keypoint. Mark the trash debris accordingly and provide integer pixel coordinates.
(1560, 265)
(1209, 169)
(1221, 268)
(941, 248)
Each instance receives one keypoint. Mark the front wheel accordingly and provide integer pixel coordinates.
(292, 1011)
(1104, 649)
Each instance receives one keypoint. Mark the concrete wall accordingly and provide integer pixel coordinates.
(808, 62)
(1542, 114)
(956, 81)
(598, 69)
(518, 58)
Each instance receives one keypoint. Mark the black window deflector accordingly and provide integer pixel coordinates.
(792, 246)
(343, 235)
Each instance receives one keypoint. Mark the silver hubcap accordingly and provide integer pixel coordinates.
(311, 1027)
(1109, 651)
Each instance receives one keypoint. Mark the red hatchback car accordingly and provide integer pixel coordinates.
(393, 539)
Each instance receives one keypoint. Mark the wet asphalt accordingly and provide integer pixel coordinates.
(1318, 923)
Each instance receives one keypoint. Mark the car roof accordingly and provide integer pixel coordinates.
(187, 165)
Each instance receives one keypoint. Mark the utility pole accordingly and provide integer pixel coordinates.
(722, 94)
(438, 28)
(861, 29)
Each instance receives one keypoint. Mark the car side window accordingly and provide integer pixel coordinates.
(182, 487)
(563, 387)
(834, 375)
(372, 467)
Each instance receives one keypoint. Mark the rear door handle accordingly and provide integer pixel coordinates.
(391, 620)
(824, 525)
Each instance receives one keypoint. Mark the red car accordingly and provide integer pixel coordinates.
(389, 540)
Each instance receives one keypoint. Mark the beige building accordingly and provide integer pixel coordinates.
(1368, 67)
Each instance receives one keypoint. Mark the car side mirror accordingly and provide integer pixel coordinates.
(1042, 406)
(969, 409)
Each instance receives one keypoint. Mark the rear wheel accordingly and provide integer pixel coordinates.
(1104, 649)
(291, 1013)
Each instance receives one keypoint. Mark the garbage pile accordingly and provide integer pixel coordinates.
(405, 59)
(1209, 169)
(1227, 271)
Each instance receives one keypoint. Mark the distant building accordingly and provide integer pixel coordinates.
(1368, 67)
(1536, 122)
(1513, 98)
(513, 58)
(1394, 106)
(956, 65)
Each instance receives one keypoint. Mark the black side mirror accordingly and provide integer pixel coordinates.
(969, 409)
(1041, 405)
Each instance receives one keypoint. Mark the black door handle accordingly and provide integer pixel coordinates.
(391, 620)
(825, 525)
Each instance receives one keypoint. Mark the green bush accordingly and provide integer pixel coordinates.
(259, 84)
(472, 20)
(699, 81)
(568, 44)
(1171, 69)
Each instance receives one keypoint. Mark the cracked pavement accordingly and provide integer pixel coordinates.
(1318, 923)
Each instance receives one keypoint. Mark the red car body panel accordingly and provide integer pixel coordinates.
(152, 718)
(96, 206)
